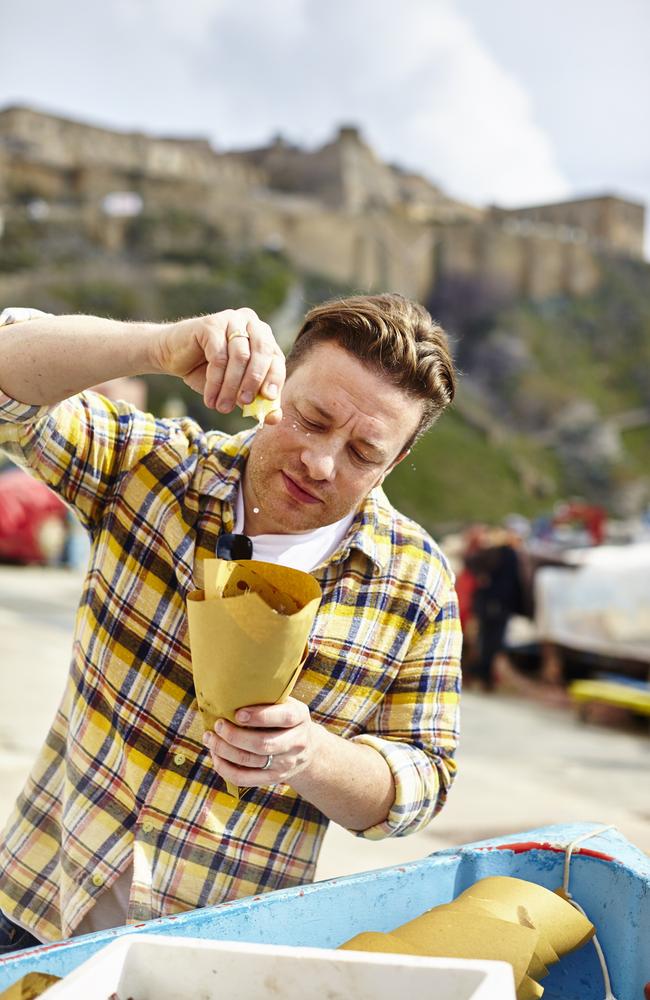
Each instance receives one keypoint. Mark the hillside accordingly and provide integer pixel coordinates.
(553, 400)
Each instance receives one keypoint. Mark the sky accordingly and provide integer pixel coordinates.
(499, 102)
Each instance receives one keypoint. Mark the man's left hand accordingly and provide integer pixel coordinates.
(284, 733)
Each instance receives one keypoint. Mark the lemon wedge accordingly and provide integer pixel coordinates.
(260, 408)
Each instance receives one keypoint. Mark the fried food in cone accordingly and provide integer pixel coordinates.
(248, 634)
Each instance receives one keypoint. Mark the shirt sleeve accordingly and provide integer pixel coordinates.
(416, 726)
(79, 447)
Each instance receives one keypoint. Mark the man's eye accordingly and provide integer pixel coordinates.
(362, 458)
(310, 424)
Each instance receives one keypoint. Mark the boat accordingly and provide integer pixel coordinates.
(603, 872)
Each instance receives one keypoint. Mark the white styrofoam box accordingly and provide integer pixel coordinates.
(152, 967)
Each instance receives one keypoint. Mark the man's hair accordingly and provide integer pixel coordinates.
(396, 337)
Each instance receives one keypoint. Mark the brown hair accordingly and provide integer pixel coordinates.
(394, 335)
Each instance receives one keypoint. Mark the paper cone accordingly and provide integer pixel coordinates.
(564, 927)
(33, 985)
(499, 917)
(248, 634)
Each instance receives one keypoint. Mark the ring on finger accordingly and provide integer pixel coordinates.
(269, 761)
(238, 333)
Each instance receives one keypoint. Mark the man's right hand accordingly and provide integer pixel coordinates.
(228, 357)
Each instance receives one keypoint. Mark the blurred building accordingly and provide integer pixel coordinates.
(337, 210)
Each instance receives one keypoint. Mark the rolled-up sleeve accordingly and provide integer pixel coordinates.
(79, 447)
(416, 726)
(14, 412)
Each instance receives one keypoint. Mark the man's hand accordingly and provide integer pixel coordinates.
(229, 357)
(350, 783)
(284, 732)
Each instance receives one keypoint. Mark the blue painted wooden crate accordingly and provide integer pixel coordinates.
(609, 877)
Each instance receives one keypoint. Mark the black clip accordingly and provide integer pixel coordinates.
(233, 546)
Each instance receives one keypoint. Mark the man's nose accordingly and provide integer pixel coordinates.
(319, 462)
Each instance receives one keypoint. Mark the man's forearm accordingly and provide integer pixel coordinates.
(43, 361)
(350, 783)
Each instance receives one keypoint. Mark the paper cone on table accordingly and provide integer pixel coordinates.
(248, 634)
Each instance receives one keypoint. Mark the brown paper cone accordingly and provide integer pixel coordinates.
(248, 634)
(447, 933)
(564, 927)
(33, 985)
(383, 944)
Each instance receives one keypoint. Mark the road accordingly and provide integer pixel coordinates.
(521, 764)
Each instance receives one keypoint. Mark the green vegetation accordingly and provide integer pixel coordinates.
(637, 450)
(96, 298)
(454, 475)
(595, 348)
(527, 362)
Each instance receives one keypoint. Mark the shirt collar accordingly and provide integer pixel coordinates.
(224, 466)
(370, 532)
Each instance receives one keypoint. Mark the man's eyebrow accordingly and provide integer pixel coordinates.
(368, 444)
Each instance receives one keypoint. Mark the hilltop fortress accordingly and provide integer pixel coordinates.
(338, 210)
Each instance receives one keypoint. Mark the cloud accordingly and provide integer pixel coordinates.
(415, 77)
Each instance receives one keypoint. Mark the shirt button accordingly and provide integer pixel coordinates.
(179, 759)
(147, 826)
(98, 880)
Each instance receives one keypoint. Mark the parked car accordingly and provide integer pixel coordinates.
(33, 521)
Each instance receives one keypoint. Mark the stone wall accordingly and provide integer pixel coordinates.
(517, 264)
(337, 210)
(608, 223)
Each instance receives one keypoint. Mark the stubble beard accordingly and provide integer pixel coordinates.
(263, 480)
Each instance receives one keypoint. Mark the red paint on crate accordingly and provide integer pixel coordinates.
(531, 845)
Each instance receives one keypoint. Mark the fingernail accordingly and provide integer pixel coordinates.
(219, 726)
(225, 405)
(246, 397)
(271, 391)
(243, 716)
(207, 739)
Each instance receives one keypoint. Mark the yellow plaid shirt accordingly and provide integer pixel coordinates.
(123, 776)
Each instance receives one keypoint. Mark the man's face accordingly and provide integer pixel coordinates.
(343, 429)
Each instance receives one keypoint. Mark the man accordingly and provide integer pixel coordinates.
(126, 816)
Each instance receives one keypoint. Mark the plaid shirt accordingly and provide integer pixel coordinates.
(123, 776)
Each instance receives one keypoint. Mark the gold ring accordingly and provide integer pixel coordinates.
(238, 333)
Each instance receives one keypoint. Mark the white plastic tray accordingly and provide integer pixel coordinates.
(149, 967)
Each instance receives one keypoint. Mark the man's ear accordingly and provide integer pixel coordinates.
(400, 458)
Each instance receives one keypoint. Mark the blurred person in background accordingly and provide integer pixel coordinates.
(496, 595)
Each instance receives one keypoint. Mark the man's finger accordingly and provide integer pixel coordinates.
(238, 349)
(244, 776)
(260, 742)
(263, 356)
(217, 357)
(275, 376)
(235, 755)
(284, 716)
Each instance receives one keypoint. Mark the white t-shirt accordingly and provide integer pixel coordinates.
(304, 550)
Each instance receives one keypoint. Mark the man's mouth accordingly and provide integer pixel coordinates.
(298, 492)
